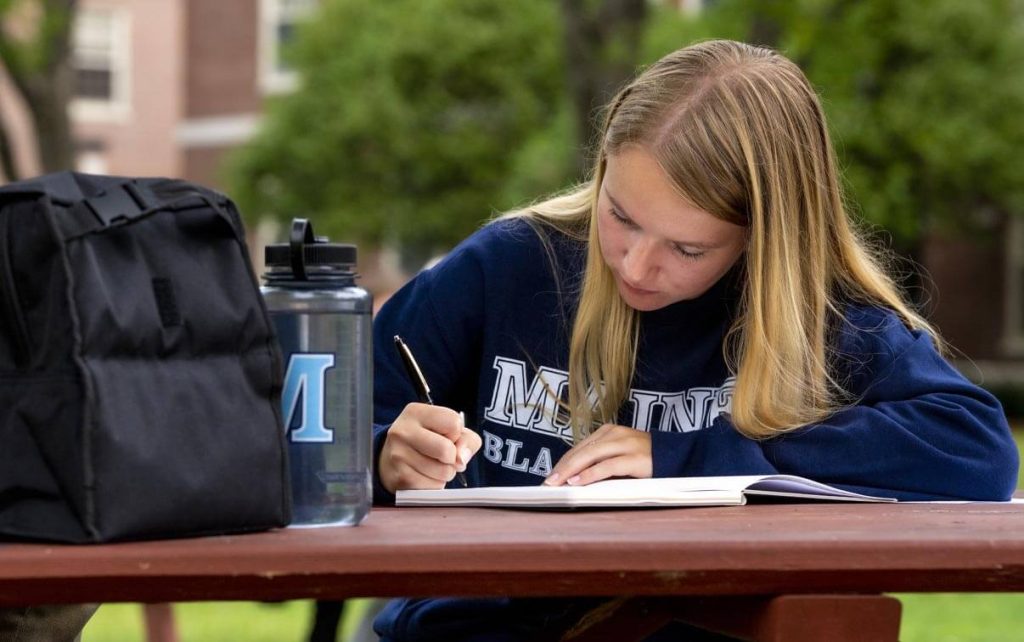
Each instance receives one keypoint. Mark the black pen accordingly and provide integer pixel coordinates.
(419, 382)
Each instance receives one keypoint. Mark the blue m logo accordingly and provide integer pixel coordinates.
(306, 376)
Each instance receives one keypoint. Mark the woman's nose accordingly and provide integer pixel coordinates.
(639, 261)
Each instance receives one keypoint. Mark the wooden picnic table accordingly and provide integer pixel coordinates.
(761, 572)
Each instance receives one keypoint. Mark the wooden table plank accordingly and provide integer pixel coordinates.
(787, 618)
(750, 550)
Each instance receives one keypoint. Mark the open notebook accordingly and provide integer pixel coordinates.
(637, 493)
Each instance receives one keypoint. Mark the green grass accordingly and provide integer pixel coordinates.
(962, 617)
(205, 621)
(217, 622)
(927, 617)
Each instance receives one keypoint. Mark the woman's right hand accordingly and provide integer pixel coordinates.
(425, 446)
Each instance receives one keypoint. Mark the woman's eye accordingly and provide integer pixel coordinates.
(693, 256)
(620, 218)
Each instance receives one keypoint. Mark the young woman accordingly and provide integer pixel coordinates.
(702, 306)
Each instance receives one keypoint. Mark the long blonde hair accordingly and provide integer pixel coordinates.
(741, 133)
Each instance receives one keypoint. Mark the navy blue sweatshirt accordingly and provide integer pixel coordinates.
(490, 325)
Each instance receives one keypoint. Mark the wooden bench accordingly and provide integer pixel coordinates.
(769, 572)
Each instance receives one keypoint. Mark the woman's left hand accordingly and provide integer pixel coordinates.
(610, 451)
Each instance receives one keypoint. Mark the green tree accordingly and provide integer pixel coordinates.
(923, 98)
(410, 115)
(928, 111)
(602, 43)
(35, 50)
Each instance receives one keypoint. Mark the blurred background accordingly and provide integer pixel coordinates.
(403, 125)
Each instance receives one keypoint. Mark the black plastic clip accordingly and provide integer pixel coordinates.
(124, 202)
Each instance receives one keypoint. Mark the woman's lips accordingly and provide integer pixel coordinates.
(635, 290)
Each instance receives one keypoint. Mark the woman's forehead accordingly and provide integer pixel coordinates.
(642, 191)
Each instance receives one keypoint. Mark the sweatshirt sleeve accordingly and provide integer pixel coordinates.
(439, 315)
(917, 430)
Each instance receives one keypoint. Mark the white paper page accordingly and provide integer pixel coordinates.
(676, 491)
(672, 491)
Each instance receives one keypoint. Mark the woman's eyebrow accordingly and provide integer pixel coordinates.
(694, 244)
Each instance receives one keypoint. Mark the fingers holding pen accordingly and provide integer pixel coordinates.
(437, 419)
(425, 447)
(410, 469)
(447, 439)
(467, 445)
(430, 430)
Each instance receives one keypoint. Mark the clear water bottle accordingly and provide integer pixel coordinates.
(323, 322)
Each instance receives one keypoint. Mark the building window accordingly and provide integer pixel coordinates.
(1014, 328)
(101, 57)
(90, 157)
(279, 19)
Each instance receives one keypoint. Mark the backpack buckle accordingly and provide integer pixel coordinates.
(122, 203)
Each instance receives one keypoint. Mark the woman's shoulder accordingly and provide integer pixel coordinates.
(870, 327)
(519, 233)
(874, 320)
(864, 317)
(517, 246)
(874, 340)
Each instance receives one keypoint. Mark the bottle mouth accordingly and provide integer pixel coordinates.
(307, 257)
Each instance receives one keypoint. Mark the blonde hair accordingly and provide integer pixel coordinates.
(741, 133)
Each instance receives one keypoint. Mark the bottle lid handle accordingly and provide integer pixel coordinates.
(302, 234)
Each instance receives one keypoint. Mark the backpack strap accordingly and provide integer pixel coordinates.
(60, 186)
(131, 199)
(116, 203)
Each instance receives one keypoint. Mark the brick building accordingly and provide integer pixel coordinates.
(167, 87)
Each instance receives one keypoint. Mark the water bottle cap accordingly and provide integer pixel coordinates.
(307, 255)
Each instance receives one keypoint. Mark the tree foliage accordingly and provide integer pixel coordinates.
(410, 115)
(924, 98)
(602, 42)
(417, 118)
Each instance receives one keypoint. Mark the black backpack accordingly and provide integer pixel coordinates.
(139, 375)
